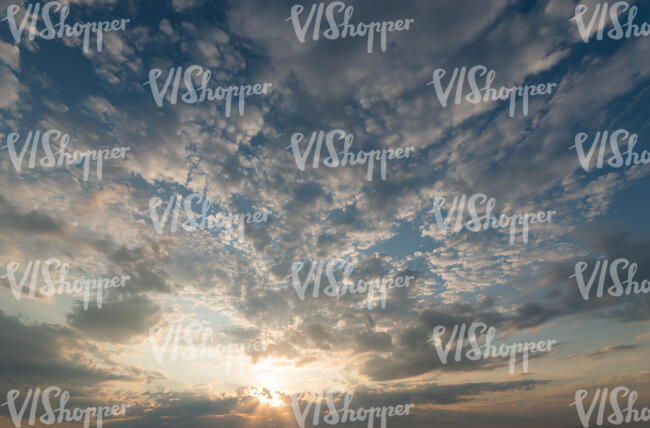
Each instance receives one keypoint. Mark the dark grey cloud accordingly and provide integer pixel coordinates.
(37, 354)
(371, 341)
(118, 321)
(562, 295)
(33, 222)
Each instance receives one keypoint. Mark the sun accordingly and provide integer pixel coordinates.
(268, 391)
(271, 399)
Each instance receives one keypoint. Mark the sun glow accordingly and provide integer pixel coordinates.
(268, 392)
(269, 398)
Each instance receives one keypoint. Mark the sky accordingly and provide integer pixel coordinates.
(241, 291)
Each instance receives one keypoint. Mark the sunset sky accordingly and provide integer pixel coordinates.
(243, 292)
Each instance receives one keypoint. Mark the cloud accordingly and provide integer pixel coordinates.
(118, 321)
(11, 88)
(10, 55)
(184, 5)
(31, 222)
(382, 227)
(46, 354)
